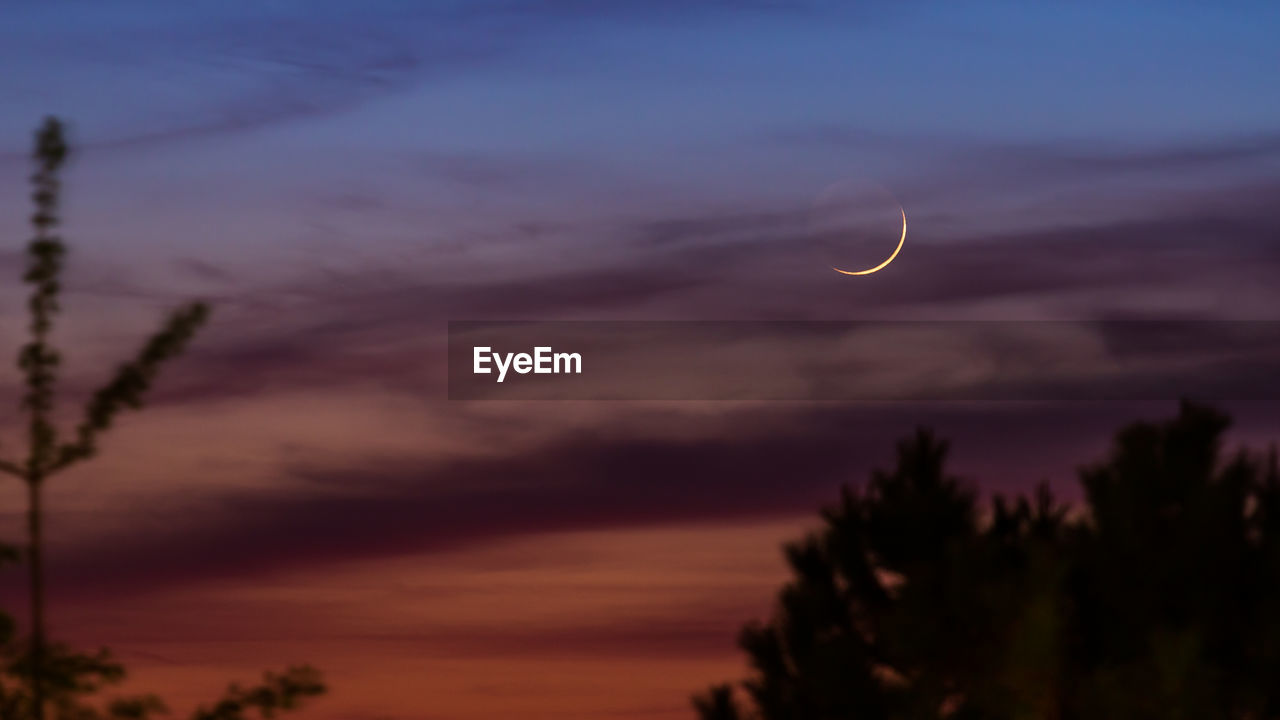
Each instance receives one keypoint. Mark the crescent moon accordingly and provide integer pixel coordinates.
(902, 240)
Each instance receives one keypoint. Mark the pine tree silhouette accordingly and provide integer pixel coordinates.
(1157, 599)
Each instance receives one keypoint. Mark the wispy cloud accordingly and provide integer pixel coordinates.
(768, 463)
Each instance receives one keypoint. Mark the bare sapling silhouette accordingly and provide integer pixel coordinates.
(38, 678)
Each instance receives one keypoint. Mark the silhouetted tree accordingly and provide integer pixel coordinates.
(1159, 598)
(37, 676)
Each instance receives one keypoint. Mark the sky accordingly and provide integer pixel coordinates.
(340, 180)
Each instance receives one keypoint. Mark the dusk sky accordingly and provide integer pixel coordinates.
(342, 179)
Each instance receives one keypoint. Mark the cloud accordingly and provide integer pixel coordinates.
(766, 462)
(391, 507)
(227, 67)
(1207, 261)
(143, 73)
(1019, 167)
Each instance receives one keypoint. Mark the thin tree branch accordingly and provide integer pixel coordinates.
(38, 359)
(132, 381)
(39, 363)
(277, 692)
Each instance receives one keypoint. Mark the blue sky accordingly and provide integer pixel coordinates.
(1003, 70)
(341, 178)
(516, 139)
